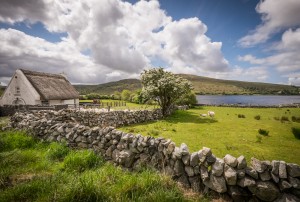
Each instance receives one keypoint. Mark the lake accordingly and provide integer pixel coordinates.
(262, 100)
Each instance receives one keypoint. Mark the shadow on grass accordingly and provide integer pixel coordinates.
(188, 117)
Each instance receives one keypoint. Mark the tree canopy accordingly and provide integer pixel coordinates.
(164, 87)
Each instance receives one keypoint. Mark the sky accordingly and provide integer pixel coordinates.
(98, 41)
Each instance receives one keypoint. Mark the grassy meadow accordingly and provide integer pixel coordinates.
(129, 105)
(233, 130)
(31, 170)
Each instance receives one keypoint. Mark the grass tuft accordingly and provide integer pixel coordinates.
(81, 160)
(284, 118)
(241, 116)
(11, 140)
(263, 132)
(296, 132)
(296, 119)
(57, 151)
(257, 117)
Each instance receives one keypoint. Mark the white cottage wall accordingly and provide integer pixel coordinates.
(26, 91)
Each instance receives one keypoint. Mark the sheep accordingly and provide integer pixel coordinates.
(211, 114)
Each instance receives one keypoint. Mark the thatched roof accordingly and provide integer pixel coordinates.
(51, 86)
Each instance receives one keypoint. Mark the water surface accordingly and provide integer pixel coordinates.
(261, 100)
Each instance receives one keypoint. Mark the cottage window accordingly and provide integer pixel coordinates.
(18, 90)
(45, 102)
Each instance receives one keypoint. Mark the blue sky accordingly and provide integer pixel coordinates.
(97, 41)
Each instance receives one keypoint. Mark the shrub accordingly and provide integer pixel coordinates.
(296, 119)
(296, 132)
(57, 151)
(263, 132)
(257, 117)
(284, 118)
(81, 160)
(241, 116)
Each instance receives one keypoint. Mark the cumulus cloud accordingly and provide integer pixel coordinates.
(285, 56)
(18, 50)
(277, 15)
(121, 39)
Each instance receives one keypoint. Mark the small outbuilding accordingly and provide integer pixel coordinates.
(38, 88)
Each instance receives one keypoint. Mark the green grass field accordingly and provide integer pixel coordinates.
(34, 171)
(227, 133)
(129, 105)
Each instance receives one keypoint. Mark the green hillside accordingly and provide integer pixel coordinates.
(202, 85)
(205, 85)
(109, 88)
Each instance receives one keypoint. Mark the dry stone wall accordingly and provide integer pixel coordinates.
(201, 171)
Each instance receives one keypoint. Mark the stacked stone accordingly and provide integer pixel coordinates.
(202, 171)
(91, 119)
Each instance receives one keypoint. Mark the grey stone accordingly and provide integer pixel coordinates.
(217, 167)
(197, 170)
(287, 198)
(241, 173)
(258, 165)
(295, 182)
(195, 183)
(82, 145)
(242, 163)
(293, 169)
(178, 167)
(283, 185)
(211, 159)
(230, 175)
(177, 153)
(204, 173)
(282, 170)
(201, 156)
(170, 148)
(184, 149)
(126, 158)
(189, 170)
(251, 172)
(246, 182)
(194, 159)
(184, 180)
(265, 176)
(266, 191)
(275, 167)
(230, 160)
(206, 151)
(237, 194)
(275, 178)
(186, 159)
(217, 184)
(168, 171)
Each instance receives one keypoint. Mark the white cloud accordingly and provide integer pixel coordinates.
(18, 50)
(277, 15)
(122, 39)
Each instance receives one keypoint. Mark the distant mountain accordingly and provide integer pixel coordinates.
(205, 85)
(202, 85)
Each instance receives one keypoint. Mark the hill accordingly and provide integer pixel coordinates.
(109, 88)
(202, 85)
(205, 85)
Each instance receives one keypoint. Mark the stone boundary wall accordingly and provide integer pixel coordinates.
(9, 110)
(202, 171)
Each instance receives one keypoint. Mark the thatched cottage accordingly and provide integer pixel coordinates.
(37, 88)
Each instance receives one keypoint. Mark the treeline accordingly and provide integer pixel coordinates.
(137, 97)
